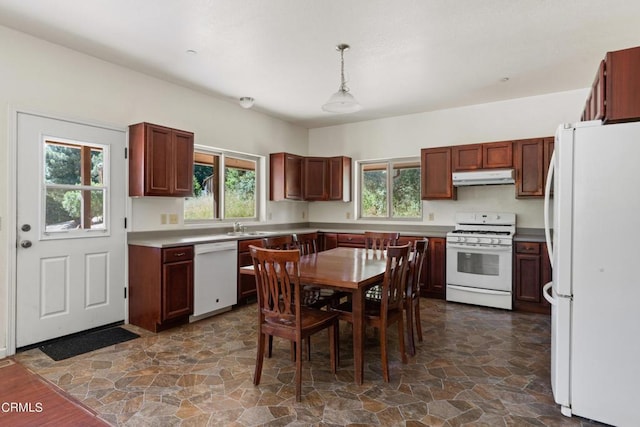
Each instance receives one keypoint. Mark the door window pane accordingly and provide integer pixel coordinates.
(64, 164)
(65, 209)
(75, 187)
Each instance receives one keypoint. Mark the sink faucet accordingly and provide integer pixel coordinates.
(238, 227)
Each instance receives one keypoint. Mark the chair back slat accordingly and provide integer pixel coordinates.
(380, 240)
(395, 278)
(416, 266)
(279, 242)
(277, 278)
(307, 243)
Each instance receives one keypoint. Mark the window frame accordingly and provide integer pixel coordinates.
(223, 154)
(390, 162)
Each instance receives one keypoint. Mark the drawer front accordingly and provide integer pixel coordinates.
(181, 253)
(345, 239)
(528, 248)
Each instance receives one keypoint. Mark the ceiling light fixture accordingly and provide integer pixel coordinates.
(342, 101)
(246, 102)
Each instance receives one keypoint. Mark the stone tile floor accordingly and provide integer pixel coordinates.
(476, 367)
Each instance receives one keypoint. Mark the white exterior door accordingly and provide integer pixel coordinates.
(70, 273)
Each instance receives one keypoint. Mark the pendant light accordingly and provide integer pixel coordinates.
(342, 101)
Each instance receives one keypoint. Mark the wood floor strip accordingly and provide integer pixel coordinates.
(26, 399)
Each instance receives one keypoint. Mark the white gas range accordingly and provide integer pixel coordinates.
(480, 259)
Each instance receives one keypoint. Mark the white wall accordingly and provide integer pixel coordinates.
(404, 136)
(38, 76)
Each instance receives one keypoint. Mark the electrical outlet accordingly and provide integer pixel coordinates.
(348, 215)
(163, 218)
(431, 216)
(173, 218)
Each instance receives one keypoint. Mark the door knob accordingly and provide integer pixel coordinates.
(25, 227)
(25, 244)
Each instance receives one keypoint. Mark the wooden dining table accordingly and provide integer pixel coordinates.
(351, 270)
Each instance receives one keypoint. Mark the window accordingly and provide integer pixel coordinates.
(224, 186)
(75, 186)
(390, 189)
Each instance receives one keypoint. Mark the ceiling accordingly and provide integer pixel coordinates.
(406, 56)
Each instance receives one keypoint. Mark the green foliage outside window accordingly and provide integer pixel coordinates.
(239, 193)
(374, 193)
(404, 188)
(406, 193)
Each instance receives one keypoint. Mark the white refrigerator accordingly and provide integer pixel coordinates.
(594, 245)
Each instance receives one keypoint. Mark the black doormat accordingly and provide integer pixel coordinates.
(79, 344)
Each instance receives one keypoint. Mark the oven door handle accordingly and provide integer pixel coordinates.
(480, 248)
(477, 290)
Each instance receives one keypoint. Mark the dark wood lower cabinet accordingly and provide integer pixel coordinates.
(435, 281)
(160, 286)
(532, 270)
(328, 241)
(246, 283)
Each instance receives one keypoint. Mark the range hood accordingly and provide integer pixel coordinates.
(483, 177)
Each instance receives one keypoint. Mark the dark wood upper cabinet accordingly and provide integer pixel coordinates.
(615, 92)
(286, 177)
(316, 178)
(466, 157)
(482, 156)
(295, 177)
(531, 161)
(594, 107)
(435, 172)
(160, 161)
(340, 178)
(497, 155)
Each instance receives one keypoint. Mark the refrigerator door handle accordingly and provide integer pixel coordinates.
(547, 196)
(546, 293)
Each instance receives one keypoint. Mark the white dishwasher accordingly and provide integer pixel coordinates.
(215, 287)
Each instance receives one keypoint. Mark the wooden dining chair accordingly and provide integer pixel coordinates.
(308, 244)
(388, 310)
(285, 242)
(279, 242)
(311, 295)
(380, 240)
(281, 312)
(412, 297)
